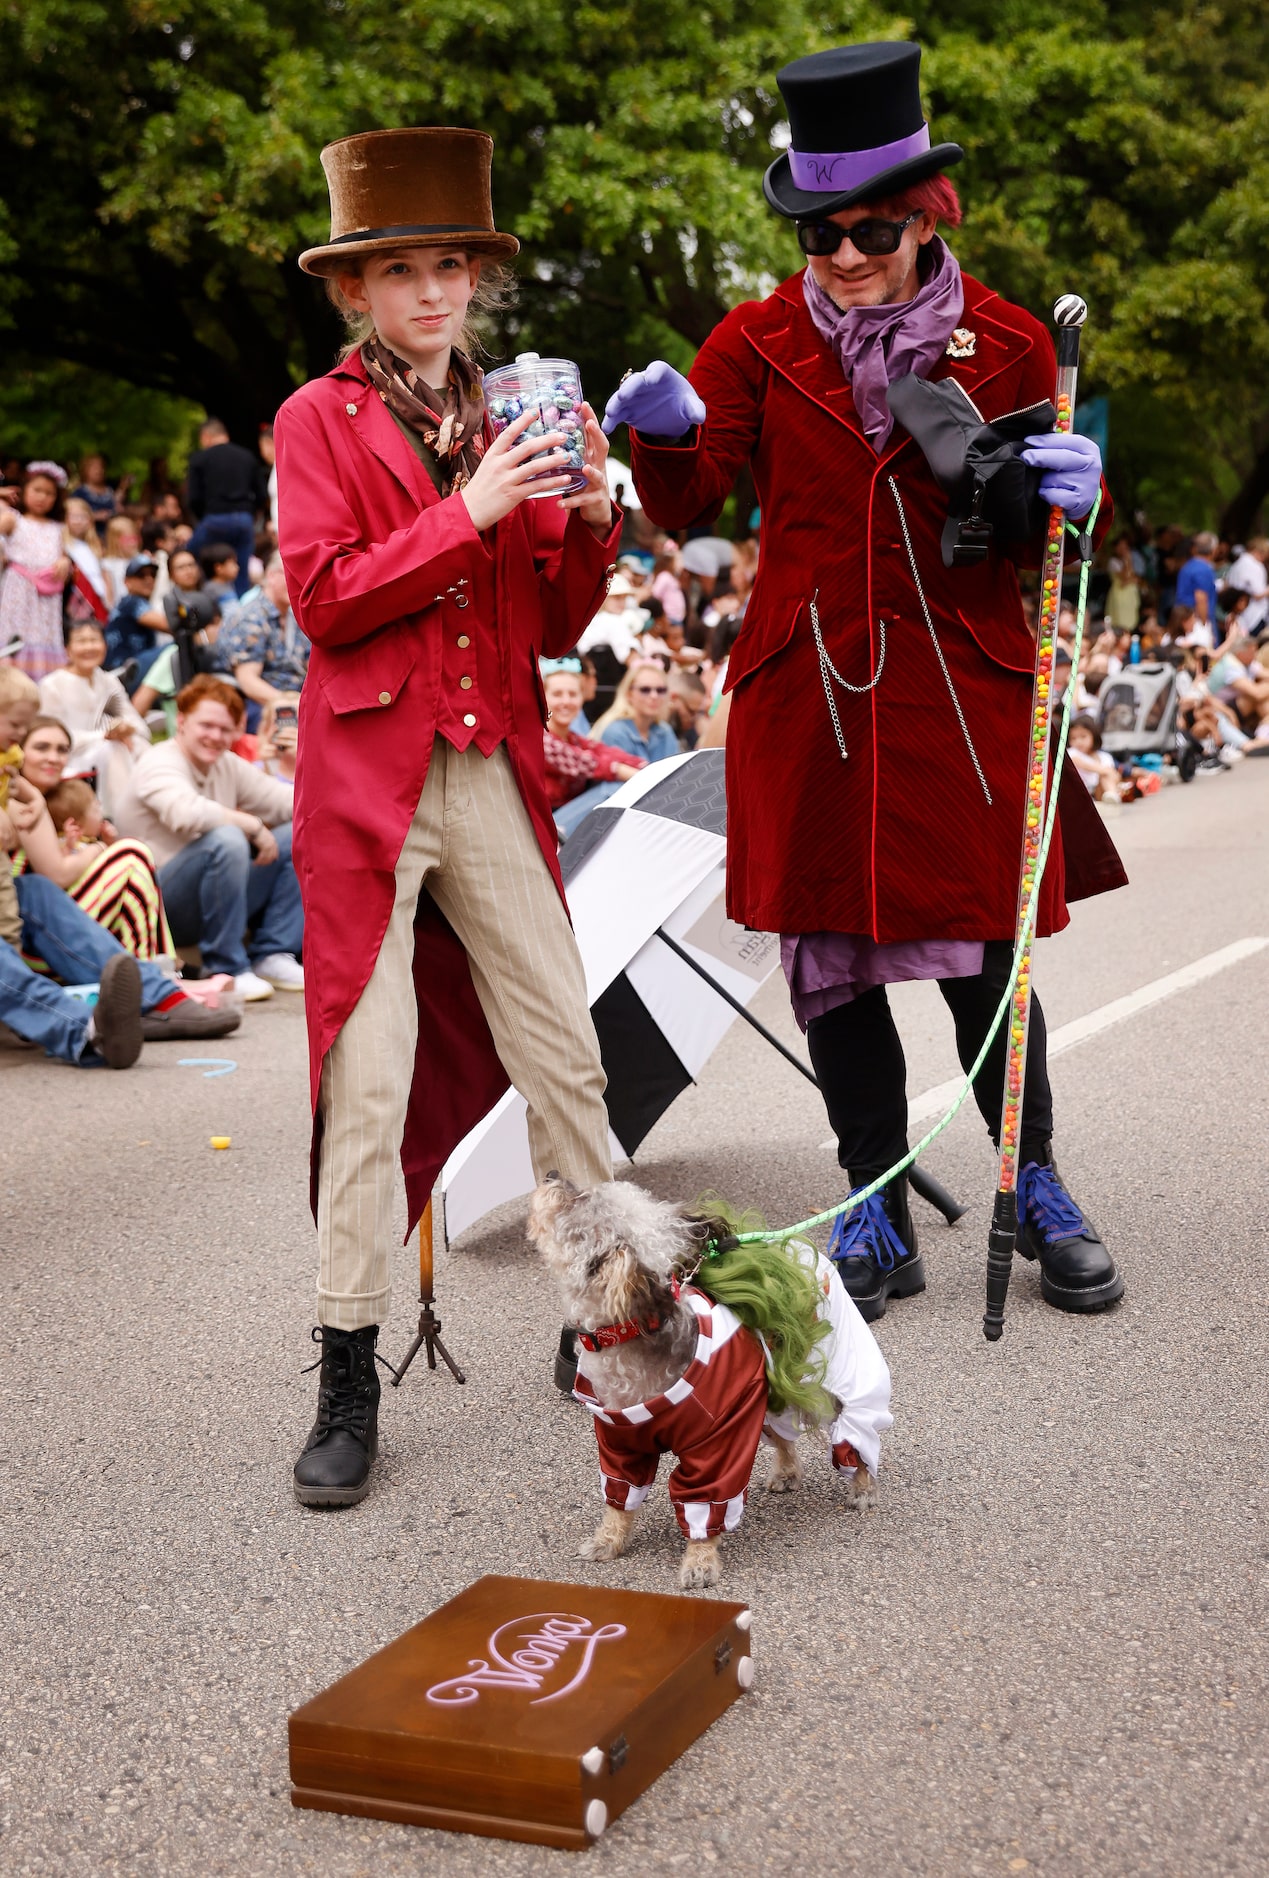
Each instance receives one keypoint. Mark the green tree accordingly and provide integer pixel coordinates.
(158, 176)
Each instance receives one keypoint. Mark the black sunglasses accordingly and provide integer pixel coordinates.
(871, 236)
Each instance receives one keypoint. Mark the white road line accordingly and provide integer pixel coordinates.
(936, 1101)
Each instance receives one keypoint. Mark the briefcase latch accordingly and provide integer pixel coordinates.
(617, 1754)
(722, 1656)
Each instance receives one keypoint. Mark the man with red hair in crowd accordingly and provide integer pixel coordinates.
(880, 689)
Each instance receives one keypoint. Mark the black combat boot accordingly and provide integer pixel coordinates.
(334, 1469)
(1077, 1273)
(874, 1247)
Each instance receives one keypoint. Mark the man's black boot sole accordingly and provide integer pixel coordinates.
(905, 1281)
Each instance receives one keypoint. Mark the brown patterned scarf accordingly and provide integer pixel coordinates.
(452, 427)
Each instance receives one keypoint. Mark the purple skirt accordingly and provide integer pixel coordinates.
(825, 969)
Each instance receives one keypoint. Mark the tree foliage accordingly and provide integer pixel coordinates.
(159, 174)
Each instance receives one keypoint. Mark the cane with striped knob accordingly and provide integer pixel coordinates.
(1069, 314)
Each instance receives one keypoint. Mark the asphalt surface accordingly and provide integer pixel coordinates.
(1044, 1653)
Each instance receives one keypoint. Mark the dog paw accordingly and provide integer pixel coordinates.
(600, 1548)
(701, 1568)
(783, 1478)
(864, 1496)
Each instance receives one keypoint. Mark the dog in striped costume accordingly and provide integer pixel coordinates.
(665, 1367)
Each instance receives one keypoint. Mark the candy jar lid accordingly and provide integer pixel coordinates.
(528, 358)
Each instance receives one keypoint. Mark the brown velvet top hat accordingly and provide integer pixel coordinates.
(420, 188)
(856, 133)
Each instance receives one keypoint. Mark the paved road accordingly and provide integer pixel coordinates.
(1045, 1653)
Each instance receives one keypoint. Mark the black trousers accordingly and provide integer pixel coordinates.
(858, 1060)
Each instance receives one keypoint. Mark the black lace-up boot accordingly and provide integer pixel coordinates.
(334, 1469)
(1077, 1273)
(874, 1247)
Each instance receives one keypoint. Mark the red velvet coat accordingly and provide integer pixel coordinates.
(899, 840)
(370, 549)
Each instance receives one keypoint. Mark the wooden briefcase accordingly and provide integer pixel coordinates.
(522, 1709)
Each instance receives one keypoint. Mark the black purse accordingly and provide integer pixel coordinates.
(991, 492)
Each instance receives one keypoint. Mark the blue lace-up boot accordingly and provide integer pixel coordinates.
(1077, 1273)
(874, 1247)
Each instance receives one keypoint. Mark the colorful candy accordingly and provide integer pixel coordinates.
(552, 390)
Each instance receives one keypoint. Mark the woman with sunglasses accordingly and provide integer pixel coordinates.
(637, 721)
(880, 697)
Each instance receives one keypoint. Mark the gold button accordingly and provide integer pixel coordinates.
(385, 697)
(463, 641)
(351, 410)
(610, 571)
(469, 720)
(465, 683)
(460, 600)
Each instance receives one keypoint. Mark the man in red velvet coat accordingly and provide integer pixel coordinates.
(880, 700)
(438, 956)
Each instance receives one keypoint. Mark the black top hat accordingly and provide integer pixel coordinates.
(857, 133)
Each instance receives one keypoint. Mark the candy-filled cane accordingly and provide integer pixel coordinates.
(1069, 314)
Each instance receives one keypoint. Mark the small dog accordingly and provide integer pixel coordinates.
(664, 1367)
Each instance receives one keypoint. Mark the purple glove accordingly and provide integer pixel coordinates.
(659, 402)
(1072, 470)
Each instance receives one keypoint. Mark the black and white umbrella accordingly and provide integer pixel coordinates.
(667, 973)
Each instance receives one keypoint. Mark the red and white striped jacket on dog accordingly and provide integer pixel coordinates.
(711, 1418)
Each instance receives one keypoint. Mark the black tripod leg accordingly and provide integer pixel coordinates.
(935, 1193)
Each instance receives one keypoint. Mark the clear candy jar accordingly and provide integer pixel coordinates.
(552, 388)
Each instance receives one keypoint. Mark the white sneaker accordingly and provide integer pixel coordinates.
(282, 971)
(251, 988)
(1229, 756)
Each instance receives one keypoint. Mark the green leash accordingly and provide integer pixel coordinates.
(777, 1236)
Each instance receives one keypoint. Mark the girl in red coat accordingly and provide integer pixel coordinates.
(438, 957)
(880, 717)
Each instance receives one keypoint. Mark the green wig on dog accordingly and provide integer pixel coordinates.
(775, 1295)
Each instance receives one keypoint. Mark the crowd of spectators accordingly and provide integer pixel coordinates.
(151, 668)
(150, 673)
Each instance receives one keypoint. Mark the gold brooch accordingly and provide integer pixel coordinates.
(962, 344)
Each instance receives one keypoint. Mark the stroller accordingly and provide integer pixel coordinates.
(1137, 712)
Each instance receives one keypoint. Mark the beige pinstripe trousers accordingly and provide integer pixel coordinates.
(472, 843)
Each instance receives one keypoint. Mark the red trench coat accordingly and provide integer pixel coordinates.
(370, 550)
(899, 841)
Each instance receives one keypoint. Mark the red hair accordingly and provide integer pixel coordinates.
(935, 196)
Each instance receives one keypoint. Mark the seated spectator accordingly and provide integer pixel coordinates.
(220, 573)
(123, 543)
(107, 734)
(221, 834)
(1097, 769)
(589, 682)
(689, 707)
(50, 928)
(93, 489)
(194, 623)
(617, 624)
(264, 647)
(111, 880)
(636, 724)
(706, 558)
(579, 772)
(1238, 681)
(136, 631)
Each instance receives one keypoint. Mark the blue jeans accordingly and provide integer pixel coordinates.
(569, 814)
(238, 531)
(213, 890)
(76, 949)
